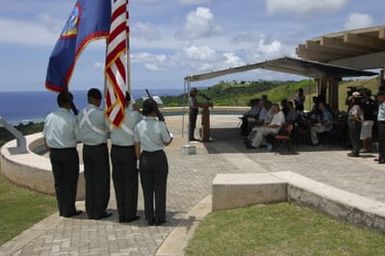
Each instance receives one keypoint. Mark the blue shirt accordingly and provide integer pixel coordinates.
(151, 134)
(381, 112)
(60, 129)
(119, 135)
(327, 119)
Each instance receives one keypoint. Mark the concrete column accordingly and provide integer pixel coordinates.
(322, 88)
(333, 93)
(381, 80)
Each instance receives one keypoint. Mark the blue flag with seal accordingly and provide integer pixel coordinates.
(89, 20)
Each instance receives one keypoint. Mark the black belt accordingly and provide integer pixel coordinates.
(61, 149)
(118, 146)
(152, 152)
(98, 145)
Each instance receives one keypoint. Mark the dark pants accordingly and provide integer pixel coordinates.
(97, 176)
(125, 177)
(193, 114)
(153, 176)
(354, 134)
(65, 168)
(381, 140)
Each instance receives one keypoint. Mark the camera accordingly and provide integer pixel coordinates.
(352, 89)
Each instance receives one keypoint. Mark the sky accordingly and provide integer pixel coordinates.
(171, 39)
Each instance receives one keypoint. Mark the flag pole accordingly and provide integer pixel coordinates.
(128, 64)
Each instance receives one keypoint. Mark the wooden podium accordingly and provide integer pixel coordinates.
(205, 116)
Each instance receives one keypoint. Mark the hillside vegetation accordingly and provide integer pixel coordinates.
(239, 93)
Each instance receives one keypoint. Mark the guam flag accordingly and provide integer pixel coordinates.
(89, 20)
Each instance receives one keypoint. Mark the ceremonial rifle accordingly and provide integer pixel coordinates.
(158, 113)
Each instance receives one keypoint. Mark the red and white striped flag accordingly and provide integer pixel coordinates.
(116, 62)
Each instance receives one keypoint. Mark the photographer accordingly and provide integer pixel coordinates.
(369, 108)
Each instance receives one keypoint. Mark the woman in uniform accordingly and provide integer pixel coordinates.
(151, 136)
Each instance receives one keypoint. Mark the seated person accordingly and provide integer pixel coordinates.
(269, 113)
(325, 124)
(252, 113)
(292, 114)
(267, 117)
(271, 128)
(262, 119)
(284, 106)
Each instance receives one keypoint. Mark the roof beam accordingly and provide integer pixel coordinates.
(370, 42)
(303, 52)
(315, 46)
(368, 61)
(334, 43)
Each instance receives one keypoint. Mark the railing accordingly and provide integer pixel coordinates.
(21, 144)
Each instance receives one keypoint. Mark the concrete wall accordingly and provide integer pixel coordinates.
(31, 170)
(241, 190)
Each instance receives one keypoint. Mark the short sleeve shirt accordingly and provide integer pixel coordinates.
(120, 136)
(60, 129)
(88, 135)
(151, 134)
(278, 119)
(381, 112)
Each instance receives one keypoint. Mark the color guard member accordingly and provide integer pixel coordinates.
(60, 135)
(124, 170)
(93, 134)
(151, 136)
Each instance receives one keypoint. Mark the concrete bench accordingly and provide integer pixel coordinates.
(241, 190)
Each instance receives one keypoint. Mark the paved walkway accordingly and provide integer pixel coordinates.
(190, 181)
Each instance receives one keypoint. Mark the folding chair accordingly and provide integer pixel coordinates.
(284, 138)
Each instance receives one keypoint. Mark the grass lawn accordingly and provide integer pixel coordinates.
(21, 208)
(281, 229)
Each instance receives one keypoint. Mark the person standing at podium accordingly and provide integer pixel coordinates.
(193, 113)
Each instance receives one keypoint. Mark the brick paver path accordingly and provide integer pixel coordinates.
(189, 181)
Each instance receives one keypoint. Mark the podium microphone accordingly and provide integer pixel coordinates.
(204, 96)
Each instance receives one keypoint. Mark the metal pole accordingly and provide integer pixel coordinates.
(128, 64)
(184, 106)
(105, 78)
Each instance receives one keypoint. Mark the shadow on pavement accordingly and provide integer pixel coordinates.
(229, 140)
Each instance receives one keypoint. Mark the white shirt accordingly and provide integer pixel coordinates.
(119, 136)
(87, 135)
(278, 119)
(381, 112)
(60, 129)
(151, 134)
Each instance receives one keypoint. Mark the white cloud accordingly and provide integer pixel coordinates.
(232, 60)
(98, 66)
(273, 47)
(204, 53)
(199, 24)
(52, 24)
(152, 62)
(304, 7)
(192, 2)
(145, 31)
(26, 33)
(358, 20)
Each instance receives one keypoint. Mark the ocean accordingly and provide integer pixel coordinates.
(25, 107)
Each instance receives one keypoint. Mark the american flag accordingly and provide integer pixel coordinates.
(116, 62)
